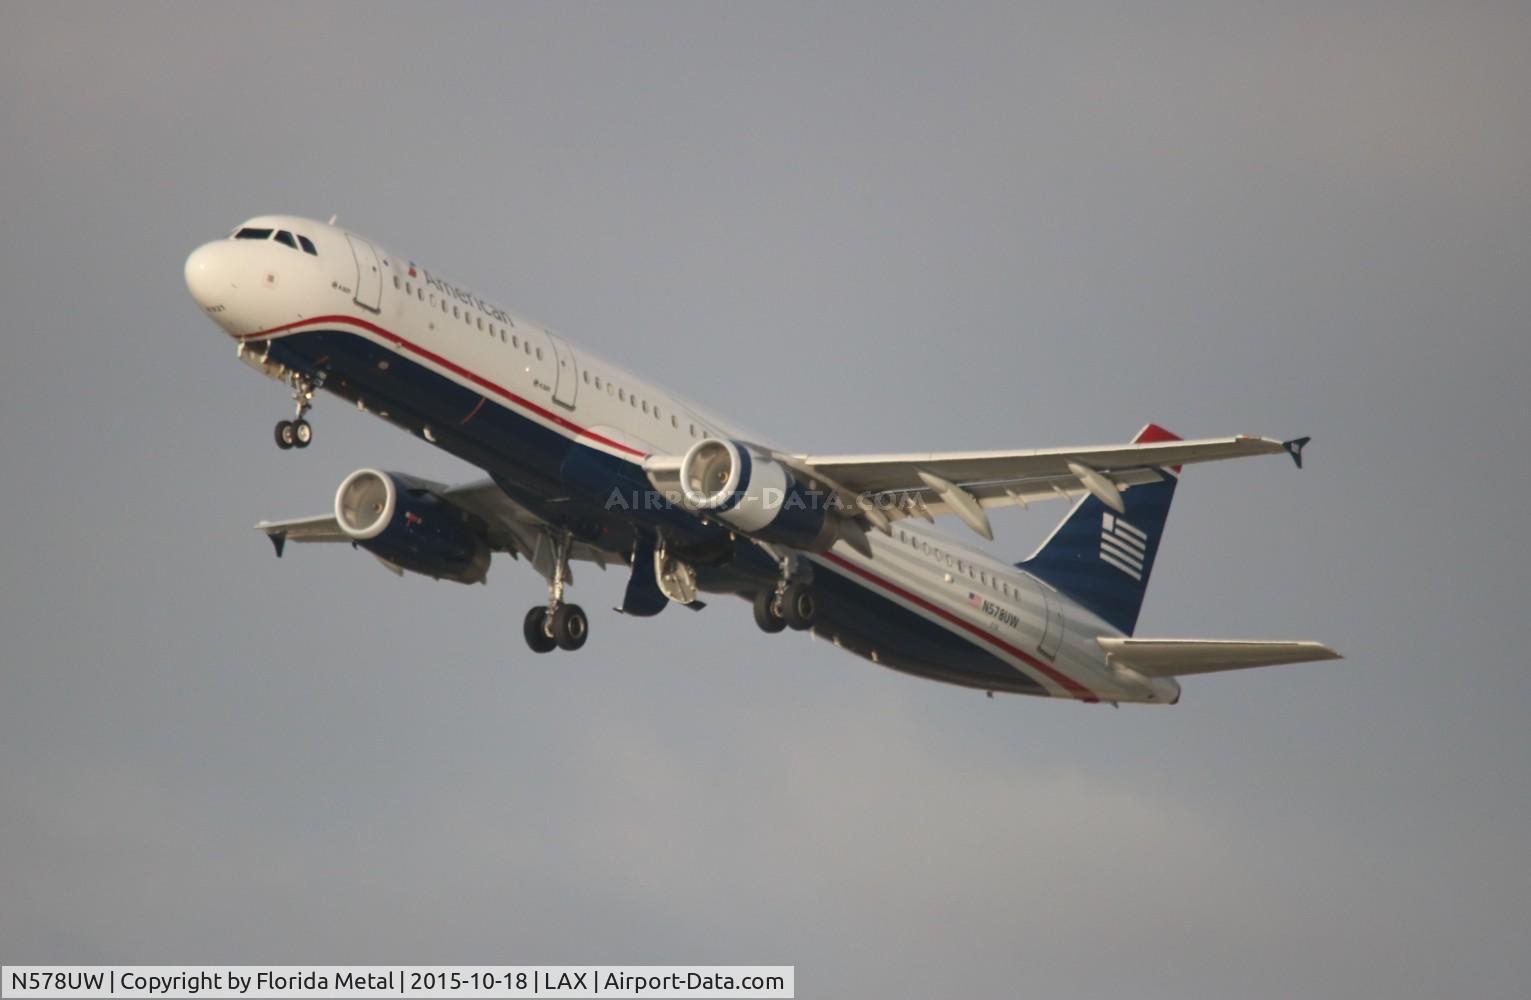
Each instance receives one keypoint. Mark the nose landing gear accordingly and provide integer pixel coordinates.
(297, 433)
(293, 434)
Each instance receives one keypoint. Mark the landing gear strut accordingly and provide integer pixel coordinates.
(557, 625)
(297, 433)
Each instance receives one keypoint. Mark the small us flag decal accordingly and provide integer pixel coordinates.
(1122, 545)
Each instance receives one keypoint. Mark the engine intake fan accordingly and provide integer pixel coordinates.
(401, 521)
(757, 495)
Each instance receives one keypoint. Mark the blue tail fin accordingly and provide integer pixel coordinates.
(1101, 558)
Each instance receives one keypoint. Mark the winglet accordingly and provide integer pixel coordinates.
(278, 541)
(1294, 448)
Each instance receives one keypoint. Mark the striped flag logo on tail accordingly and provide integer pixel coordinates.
(1122, 545)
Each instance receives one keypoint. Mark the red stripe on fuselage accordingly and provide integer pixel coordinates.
(435, 358)
(1070, 685)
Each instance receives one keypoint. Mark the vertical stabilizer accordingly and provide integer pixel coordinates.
(1102, 558)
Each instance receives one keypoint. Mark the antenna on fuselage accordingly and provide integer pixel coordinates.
(334, 218)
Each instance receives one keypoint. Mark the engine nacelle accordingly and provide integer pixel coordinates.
(399, 520)
(756, 494)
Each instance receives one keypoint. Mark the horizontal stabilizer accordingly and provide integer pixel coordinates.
(1178, 657)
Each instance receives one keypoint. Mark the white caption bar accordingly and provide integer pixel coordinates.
(570, 982)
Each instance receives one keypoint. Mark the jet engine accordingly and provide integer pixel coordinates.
(401, 521)
(755, 494)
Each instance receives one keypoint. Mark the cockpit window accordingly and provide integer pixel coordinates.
(253, 234)
(308, 245)
(283, 236)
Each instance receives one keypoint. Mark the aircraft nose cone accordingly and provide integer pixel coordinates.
(209, 276)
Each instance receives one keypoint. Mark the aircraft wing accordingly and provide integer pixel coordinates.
(323, 528)
(510, 527)
(965, 483)
(1178, 657)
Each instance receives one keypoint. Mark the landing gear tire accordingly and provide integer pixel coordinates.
(535, 630)
(766, 615)
(570, 627)
(296, 433)
(799, 606)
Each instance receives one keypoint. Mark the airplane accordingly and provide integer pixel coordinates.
(588, 463)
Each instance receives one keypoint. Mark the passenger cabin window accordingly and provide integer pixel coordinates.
(539, 354)
(396, 282)
(253, 234)
(307, 245)
(284, 236)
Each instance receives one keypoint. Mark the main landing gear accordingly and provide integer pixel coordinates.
(297, 433)
(790, 604)
(556, 625)
(550, 628)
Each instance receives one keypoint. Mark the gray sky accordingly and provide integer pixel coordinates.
(857, 228)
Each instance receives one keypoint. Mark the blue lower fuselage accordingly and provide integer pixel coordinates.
(570, 484)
